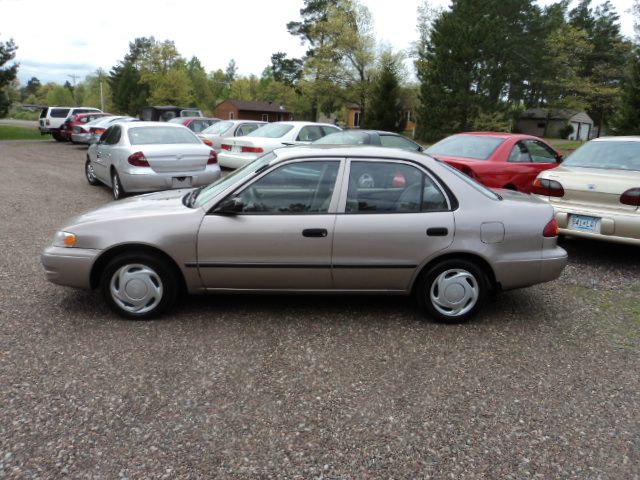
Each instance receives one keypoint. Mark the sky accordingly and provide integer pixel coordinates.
(59, 40)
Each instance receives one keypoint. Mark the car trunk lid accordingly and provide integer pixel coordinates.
(176, 158)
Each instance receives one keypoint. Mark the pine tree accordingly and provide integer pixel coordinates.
(7, 74)
(627, 118)
(385, 107)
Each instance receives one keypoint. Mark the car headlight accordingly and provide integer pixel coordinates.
(64, 239)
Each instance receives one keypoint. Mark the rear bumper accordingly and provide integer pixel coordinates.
(80, 137)
(232, 160)
(70, 267)
(619, 227)
(143, 181)
(517, 274)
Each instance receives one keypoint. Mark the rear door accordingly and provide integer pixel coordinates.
(395, 216)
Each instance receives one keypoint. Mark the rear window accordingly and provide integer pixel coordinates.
(613, 155)
(59, 112)
(467, 146)
(161, 135)
(43, 112)
(271, 130)
(345, 138)
(219, 127)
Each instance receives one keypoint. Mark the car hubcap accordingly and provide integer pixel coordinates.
(90, 173)
(136, 288)
(454, 292)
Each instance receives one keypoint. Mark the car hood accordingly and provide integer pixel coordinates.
(163, 203)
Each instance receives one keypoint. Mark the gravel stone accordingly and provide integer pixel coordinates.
(543, 384)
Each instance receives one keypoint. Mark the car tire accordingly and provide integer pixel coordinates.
(89, 173)
(116, 186)
(57, 137)
(452, 291)
(139, 286)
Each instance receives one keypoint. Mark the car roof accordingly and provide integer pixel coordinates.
(300, 122)
(617, 139)
(497, 134)
(370, 152)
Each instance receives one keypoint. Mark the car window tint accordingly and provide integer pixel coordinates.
(478, 147)
(326, 130)
(607, 154)
(310, 133)
(348, 137)
(246, 129)
(540, 153)
(295, 188)
(218, 128)
(161, 135)
(271, 130)
(519, 154)
(396, 141)
(59, 112)
(104, 138)
(114, 136)
(380, 187)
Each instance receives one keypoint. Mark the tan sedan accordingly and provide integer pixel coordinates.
(297, 220)
(596, 192)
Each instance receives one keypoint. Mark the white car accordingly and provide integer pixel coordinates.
(150, 156)
(240, 151)
(223, 129)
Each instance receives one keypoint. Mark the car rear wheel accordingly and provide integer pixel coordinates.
(116, 186)
(139, 286)
(452, 291)
(57, 137)
(90, 173)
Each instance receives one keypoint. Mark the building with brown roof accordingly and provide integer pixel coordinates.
(245, 110)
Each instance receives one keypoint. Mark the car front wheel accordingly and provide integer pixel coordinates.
(139, 286)
(452, 291)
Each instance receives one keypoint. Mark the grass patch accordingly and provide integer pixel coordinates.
(564, 146)
(9, 132)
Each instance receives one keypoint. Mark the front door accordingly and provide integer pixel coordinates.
(281, 235)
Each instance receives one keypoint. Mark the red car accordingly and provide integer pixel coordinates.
(66, 129)
(498, 160)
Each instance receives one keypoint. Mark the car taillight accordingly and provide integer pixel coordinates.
(631, 197)
(97, 131)
(550, 188)
(206, 141)
(48, 122)
(213, 158)
(252, 150)
(551, 229)
(226, 147)
(138, 160)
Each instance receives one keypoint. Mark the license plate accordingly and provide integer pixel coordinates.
(236, 149)
(181, 182)
(583, 223)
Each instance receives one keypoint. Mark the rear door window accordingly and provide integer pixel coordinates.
(59, 112)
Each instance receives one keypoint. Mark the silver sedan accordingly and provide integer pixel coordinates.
(296, 220)
(150, 156)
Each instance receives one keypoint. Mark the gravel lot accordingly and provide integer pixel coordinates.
(544, 384)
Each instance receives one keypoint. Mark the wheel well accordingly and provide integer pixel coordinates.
(470, 257)
(511, 187)
(104, 259)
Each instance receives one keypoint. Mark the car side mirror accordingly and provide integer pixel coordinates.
(559, 158)
(229, 206)
(420, 149)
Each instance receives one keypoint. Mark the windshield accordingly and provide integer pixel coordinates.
(467, 146)
(272, 130)
(161, 135)
(608, 155)
(218, 128)
(235, 177)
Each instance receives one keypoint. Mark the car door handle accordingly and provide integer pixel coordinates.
(437, 231)
(314, 232)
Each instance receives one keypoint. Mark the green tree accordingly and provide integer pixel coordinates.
(7, 74)
(385, 108)
(128, 92)
(231, 71)
(627, 117)
(59, 95)
(201, 91)
(31, 88)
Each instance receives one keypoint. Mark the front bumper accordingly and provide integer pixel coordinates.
(143, 181)
(70, 267)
